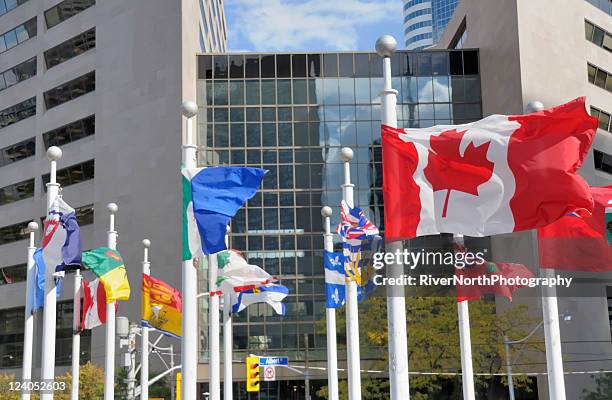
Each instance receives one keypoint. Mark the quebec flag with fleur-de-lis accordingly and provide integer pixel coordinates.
(335, 279)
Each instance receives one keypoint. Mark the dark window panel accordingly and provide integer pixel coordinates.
(375, 66)
(73, 174)
(13, 274)
(424, 64)
(470, 62)
(220, 66)
(591, 71)
(85, 215)
(345, 65)
(298, 64)
(18, 73)
(17, 151)
(70, 90)
(314, 65)
(251, 66)
(267, 66)
(14, 233)
(70, 48)
(439, 61)
(362, 65)
(603, 161)
(205, 67)
(66, 9)
(283, 66)
(18, 112)
(17, 191)
(17, 35)
(456, 62)
(8, 5)
(236, 67)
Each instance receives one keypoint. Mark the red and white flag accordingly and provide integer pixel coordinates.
(93, 311)
(497, 175)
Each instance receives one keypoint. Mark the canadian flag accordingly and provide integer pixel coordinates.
(497, 175)
(94, 304)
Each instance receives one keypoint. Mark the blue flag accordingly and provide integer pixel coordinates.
(335, 279)
(36, 296)
(218, 193)
(273, 294)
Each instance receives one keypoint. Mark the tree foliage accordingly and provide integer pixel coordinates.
(602, 390)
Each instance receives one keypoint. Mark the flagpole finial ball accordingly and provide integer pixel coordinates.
(386, 45)
(146, 243)
(32, 226)
(112, 208)
(346, 154)
(54, 153)
(189, 108)
(534, 106)
(326, 211)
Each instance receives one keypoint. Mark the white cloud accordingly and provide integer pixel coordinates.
(281, 25)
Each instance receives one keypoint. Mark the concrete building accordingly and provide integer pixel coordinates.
(552, 52)
(291, 114)
(105, 81)
(425, 21)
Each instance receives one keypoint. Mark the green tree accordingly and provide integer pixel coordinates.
(433, 340)
(603, 388)
(160, 389)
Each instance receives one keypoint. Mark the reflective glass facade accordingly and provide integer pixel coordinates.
(291, 114)
(425, 21)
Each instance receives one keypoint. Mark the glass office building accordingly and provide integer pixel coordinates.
(425, 21)
(291, 114)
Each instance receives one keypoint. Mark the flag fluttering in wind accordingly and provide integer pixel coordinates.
(497, 175)
(335, 279)
(161, 306)
(236, 273)
(488, 269)
(360, 240)
(107, 264)
(60, 251)
(271, 294)
(94, 304)
(217, 193)
(580, 243)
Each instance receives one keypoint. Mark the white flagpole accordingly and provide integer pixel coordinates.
(330, 313)
(144, 361)
(28, 329)
(396, 302)
(76, 335)
(189, 275)
(213, 331)
(352, 318)
(228, 340)
(550, 313)
(465, 342)
(109, 364)
(49, 312)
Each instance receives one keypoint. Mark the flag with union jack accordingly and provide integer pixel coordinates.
(360, 239)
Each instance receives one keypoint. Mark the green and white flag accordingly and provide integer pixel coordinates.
(192, 246)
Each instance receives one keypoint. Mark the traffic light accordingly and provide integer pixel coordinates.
(252, 370)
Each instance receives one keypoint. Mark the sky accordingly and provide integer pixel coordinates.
(311, 25)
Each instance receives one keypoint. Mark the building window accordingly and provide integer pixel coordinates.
(18, 35)
(17, 151)
(72, 175)
(603, 118)
(84, 215)
(70, 90)
(460, 37)
(13, 233)
(603, 161)
(18, 112)
(66, 9)
(598, 36)
(69, 133)
(599, 77)
(603, 5)
(13, 274)
(18, 73)
(70, 48)
(17, 191)
(11, 336)
(8, 5)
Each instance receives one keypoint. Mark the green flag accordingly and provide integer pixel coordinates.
(191, 237)
(107, 264)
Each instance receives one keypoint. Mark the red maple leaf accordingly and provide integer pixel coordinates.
(448, 170)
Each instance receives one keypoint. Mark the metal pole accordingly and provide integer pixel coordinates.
(396, 301)
(306, 371)
(352, 318)
(509, 368)
(109, 363)
(228, 340)
(173, 383)
(550, 313)
(214, 365)
(330, 313)
(144, 360)
(465, 342)
(189, 337)
(49, 312)
(28, 329)
(131, 374)
(76, 335)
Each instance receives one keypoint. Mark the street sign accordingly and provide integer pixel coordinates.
(263, 361)
(269, 373)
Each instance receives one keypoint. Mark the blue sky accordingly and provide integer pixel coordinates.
(311, 25)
